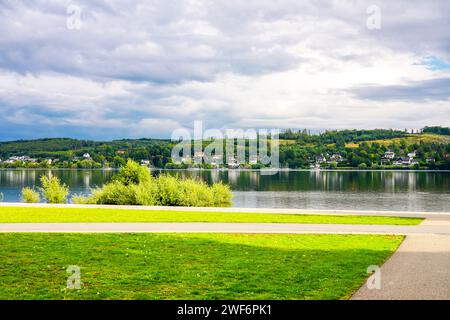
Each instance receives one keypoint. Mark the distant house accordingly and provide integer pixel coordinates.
(20, 158)
(121, 152)
(232, 163)
(389, 155)
(321, 159)
(397, 162)
(412, 155)
(406, 161)
(430, 160)
(145, 163)
(337, 158)
(87, 156)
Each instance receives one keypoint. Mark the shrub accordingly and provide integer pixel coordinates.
(147, 193)
(29, 195)
(195, 194)
(81, 199)
(134, 185)
(115, 193)
(133, 173)
(362, 166)
(169, 193)
(53, 190)
(222, 195)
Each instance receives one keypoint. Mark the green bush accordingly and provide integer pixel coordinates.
(29, 195)
(81, 199)
(53, 190)
(146, 194)
(133, 173)
(134, 185)
(196, 194)
(222, 195)
(115, 193)
(169, 193)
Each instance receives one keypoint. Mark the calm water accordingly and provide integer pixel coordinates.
(357, 190)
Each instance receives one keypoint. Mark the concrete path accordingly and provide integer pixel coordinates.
(418, 270)
(224, 228)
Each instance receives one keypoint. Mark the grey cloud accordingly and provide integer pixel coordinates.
(434, 90)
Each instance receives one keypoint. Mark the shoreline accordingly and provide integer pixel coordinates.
(234, 170)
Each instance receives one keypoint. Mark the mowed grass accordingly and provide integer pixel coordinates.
(409, 139)
(189, 266)
(49, 215)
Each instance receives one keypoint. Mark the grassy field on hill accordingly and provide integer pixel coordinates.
(410, 139)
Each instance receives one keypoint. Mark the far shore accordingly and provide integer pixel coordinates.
(235, 170)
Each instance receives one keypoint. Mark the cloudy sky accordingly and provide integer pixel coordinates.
(113, 69)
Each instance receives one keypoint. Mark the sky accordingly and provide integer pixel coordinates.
(131, 69)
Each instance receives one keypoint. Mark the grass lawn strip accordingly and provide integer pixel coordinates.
(189, 266)
(49, 215)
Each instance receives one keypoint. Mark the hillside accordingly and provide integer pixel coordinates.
(298, 149)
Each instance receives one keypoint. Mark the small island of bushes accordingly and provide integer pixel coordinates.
(135, 185)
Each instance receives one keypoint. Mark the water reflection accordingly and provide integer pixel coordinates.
(400, 190)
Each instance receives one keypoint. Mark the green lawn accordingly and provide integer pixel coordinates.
(189, 266)
(31, 214)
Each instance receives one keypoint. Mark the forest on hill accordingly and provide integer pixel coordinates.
(428, 148)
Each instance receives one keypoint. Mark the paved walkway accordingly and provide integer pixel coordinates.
(418, 270)
(224, 228)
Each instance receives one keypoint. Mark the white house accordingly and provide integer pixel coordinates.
(389, 155)
(406, 161)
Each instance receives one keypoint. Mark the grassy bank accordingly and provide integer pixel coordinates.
(31, 214)
(189, 266)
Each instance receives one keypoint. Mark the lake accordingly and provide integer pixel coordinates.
(355, 190)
